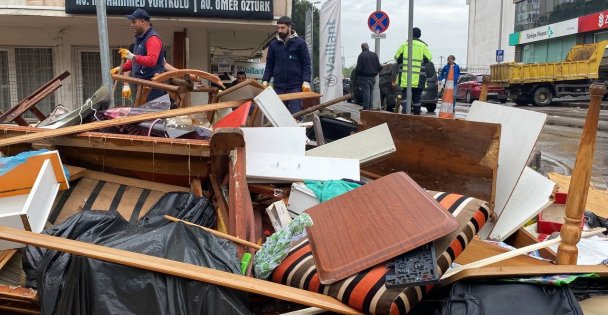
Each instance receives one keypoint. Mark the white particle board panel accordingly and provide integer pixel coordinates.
(365, 146)
(520, 129)
(300, 199)
(30, 211)
(273, 108)
(272, 168)
(279, 140)
(531, 195)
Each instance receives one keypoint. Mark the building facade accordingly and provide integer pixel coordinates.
(42, 38)
(486, 34)
(545, 30)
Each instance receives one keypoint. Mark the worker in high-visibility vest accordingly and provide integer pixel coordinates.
(420, 55)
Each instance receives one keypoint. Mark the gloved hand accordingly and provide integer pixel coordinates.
(306, 87)
(126, 54)
(126, 91)
(115, 70)
(265, 84)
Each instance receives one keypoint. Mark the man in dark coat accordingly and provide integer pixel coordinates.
(368, 67)
(288, 63)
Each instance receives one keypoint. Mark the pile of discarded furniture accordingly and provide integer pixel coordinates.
(228, 208)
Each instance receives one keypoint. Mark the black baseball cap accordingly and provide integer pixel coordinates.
(139, 13)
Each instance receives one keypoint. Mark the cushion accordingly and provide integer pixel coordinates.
(366, 291)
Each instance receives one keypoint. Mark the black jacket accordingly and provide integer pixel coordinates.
(368, 64)
(288, 63)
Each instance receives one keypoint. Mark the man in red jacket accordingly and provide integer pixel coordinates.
(147, 58)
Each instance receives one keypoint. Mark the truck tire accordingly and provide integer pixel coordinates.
(543, 96)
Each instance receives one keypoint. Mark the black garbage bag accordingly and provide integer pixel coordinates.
(70, 284)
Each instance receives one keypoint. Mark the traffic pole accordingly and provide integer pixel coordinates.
(410, 34)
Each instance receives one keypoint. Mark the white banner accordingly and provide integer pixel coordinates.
(330, 58)
(564, 28)
(308, 35)
(251, 69)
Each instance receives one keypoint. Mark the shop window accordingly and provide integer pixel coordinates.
(601, 36)
(23, 71)
(5, 97)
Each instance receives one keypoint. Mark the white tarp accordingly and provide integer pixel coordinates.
(330, 58)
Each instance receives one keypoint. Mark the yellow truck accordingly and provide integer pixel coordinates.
(540, 83)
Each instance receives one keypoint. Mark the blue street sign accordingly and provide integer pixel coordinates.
(378, 22)
(500, 55)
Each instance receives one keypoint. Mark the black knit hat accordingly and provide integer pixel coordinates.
(416, 32)
(284, 20)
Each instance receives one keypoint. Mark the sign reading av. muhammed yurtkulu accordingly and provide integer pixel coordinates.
(232, 9)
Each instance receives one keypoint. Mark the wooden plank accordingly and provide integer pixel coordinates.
(520, 130)
(531, 195)
(5, 256)
(32, 99)
(116, 122)
(148, 83)
(240, 208)
(75, 172)
(567, 252)
(181, 72)
(144, 184)
(520, 251)
(440, 154)
(526, 271)
(178, 269)
(216, 233)
(371, 224)
(597, 199)
(321, 106)
(119, 142)
(366, 146)
(523, 238)
(478, 249)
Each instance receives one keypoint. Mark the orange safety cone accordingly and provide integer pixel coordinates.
(446, 109)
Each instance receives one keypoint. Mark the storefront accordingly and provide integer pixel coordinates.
(42, 38)
(545, 30)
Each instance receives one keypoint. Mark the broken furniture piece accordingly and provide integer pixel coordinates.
(29, 103)
(189, 79)
(440, 154)
(372, 224)
(520, 129)
(367, 146)
(100, 99)
(28, 190)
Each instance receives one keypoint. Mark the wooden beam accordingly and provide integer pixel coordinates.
(216, 233)
(117, 122)
(178, 269)
(525, 271)
(148, 83)
(567, 252)
(133, 182)
(321, 106)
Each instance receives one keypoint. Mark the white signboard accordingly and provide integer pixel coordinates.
(224, 65)
(251, 69)
(330, 58)
(379, 36)
(564, 28)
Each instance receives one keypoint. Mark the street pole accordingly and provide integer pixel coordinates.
(104, 46)
(377, 40)
(440, 62)
(410, 35)
(500, 29)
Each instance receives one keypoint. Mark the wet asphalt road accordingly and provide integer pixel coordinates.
(559, 138)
